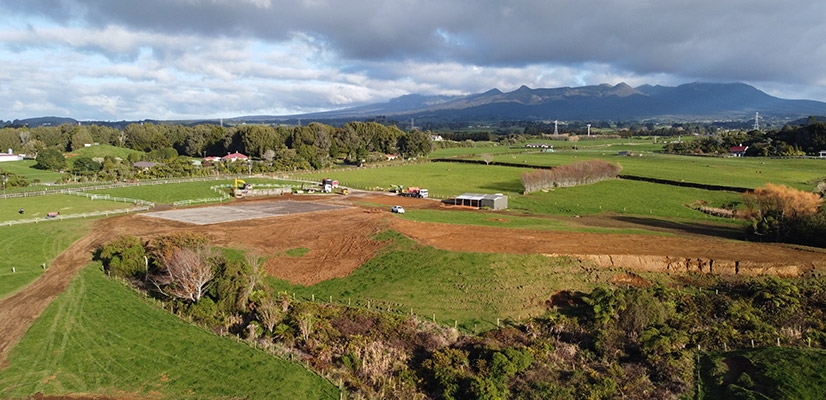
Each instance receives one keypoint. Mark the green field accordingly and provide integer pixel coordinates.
(25, 247)
(442, 179)
(739, 172)
(624, 197)
(172, 192)
(167, 193)
(472, 289)
(26, 169)
(618, 196)
(40, 206)
(99, 337)
(506, 220)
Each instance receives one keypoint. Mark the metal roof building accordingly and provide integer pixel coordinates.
(492, 201)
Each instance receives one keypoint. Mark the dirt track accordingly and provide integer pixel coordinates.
(340, 240)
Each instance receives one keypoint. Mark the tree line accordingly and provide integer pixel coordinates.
(790, 140)
(316, 145)
(274, 148)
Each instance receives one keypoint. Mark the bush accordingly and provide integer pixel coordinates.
(778, 213)
(124, 257)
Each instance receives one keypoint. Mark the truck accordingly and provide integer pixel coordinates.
(327, 185)
(414, 192)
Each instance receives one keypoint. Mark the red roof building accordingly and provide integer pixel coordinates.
(234, 156)
(738, 151)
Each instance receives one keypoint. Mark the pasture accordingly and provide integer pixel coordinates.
(725, 171)
(472, 290)
(40, 206)
(27, 170)
(101, 338)
(26, 247)
(444, 180)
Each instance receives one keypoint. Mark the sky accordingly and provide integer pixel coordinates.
(117, 60)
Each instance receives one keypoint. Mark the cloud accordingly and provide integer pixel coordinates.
(202, 57)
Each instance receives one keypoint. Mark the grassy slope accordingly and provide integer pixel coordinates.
(26, 169)
(100, 337)
(26, 247)
(472, 288)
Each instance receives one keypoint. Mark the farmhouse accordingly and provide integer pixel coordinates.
(144, 165)
(738, 151)
(492, 201)
(234, 157)
(10, 156)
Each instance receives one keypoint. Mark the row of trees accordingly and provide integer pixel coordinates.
(634, 343)
(579, 173)
(315, 145)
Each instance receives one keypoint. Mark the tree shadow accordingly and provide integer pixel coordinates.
(694, 228)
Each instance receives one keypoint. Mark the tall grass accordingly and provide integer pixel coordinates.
(99, 337)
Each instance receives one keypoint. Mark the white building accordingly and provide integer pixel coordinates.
(10, 156)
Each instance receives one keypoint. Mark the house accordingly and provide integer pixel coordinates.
(738, 151)
(10, 156)
(144, 165)
(234, 157)
(822, 154)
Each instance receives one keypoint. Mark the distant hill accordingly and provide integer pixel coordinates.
(621, 102)
(694, 101)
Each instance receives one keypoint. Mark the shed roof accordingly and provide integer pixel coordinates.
(479, 196)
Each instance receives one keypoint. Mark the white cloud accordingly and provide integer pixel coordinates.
(195, 58)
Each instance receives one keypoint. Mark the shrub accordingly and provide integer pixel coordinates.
(124, 257)
(775, 212)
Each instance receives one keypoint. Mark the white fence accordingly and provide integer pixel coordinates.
(60, 217)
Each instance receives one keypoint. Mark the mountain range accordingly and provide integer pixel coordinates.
(693, 101)
(621, 102)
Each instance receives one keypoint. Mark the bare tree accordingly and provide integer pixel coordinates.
(268, 313)
(186, 274)
(285, 301)
(305, 325)
(487, 158)
(254, 278)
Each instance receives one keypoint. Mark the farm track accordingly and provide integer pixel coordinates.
(339, 241)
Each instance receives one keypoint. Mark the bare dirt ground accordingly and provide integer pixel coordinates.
(340, 240)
